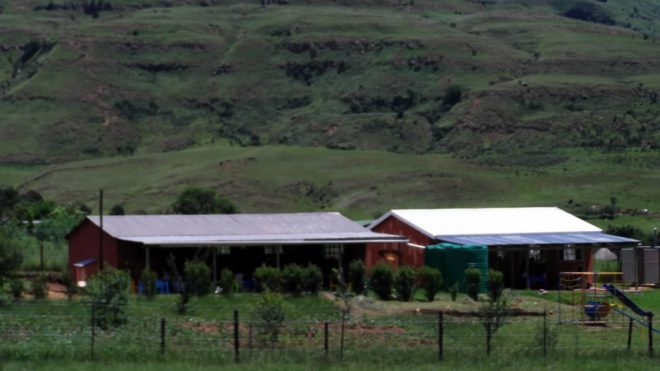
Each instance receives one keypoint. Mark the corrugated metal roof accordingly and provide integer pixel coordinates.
(438, 223)
(240, 229)
(538, 239)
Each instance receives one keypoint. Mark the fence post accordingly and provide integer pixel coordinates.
(326, 347)
(341, 340)
(630, 328)
(162, 336)
(93, 328)
(236, 342)
(440, 335)
(650, 317)
(545, 333)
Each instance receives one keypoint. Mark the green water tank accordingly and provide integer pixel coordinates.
(453, 259)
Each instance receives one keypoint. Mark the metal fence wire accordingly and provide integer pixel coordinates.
(67, 333)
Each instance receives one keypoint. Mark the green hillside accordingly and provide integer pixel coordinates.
(357, 106)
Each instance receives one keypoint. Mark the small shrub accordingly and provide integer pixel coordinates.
(453, 96)
(40, 287)
(149, 278)
(382, 280)
(472, 280)
(357, 274)
(430, 279)
(453, 291)
(197, 278)
(109, 292)
(269, 316)
(196, 282)
(292, 279)
(404, 283)
(69, 283)
(495, 284)
(228, 282)
(312, 279)
(268, 278)
(16, 288)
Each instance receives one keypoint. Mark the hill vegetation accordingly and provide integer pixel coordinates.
(417, 103)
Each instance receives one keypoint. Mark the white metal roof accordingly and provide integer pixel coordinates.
(437, 223)
(240, 229)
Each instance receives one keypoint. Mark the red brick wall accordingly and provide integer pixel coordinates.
(412, 256)
(84, 244)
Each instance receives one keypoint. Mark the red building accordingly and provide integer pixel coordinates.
(240, 242)
(529, 245)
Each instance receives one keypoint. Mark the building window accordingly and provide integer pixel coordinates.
(333, 251)
(270, 250)
(571, 254)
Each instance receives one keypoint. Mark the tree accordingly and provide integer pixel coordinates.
(10, 255)
(109, 292)
(117, 210)
(195, 200)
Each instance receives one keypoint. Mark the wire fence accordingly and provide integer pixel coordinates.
(67, 332)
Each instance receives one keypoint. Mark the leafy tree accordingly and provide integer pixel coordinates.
(430, 280)
(196, 282)
(10, 255)
(202, 201)
(149, 278)
(40, 287)
(292, 279)
(495, 284)
(9, 198)
(312, 279)
(269, 316)
(404, 283)
(357, 274)
(109, 292)
(228, 282)
(382, 280)
(472, 280)
(268, 278)
(117, 210)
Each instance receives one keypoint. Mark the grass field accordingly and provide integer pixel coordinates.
(377, 334)
(362, 184)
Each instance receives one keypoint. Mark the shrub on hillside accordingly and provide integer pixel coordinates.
(268, 278)
(430, 279)
(382, 280)
(472, 281)
(292, 279)
(148, 278)
(109, 293)
(404, 283)
(357, 274)
(312, 279)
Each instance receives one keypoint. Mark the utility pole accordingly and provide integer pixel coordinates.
(101, 230)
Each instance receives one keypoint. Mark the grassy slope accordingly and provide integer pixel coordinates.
(361, 183)
(160, 79)
(538, 86)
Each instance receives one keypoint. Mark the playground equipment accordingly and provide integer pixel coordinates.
(590, 303)
(648, 316)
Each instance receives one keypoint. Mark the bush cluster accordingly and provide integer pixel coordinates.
(293, 279)
(109, 293)
(228, 282)
(357, 275)
(384, 281)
